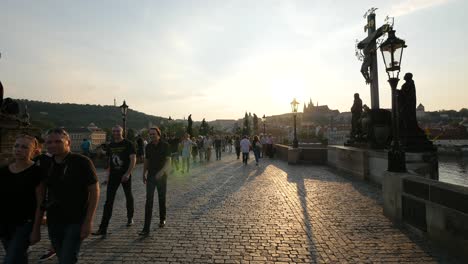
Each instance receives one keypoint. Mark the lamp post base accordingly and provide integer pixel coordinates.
(295, 143)
(396, 161)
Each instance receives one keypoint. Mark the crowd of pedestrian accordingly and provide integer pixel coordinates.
(61, 188)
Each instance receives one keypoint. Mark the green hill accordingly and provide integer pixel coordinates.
(47, 115)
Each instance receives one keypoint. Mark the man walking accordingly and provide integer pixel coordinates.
(73, 194)
(208, 144)
(245, 149)
(122, 160)
(85, 147)
(155, 170)
(218, 145)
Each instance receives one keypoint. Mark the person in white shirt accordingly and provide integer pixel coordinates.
(186, 152)
(269, 142)
(245, 149)
(208, 144)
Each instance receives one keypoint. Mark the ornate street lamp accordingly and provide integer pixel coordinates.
(294, 105)
(263, 121)
(392, 53)
(124, 110)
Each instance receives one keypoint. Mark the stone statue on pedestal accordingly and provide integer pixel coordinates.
(412, 136)
(356, 110)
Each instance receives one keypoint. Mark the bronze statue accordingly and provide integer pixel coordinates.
(356, 111)
(407, 104)
(412, 136)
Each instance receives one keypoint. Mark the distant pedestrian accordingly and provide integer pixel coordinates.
(264, 145)
(201, 148)
(22, 191)
(218, 145)
(155, 170)
(72, 196)
(269, 142)
(186, 152)
(174, 148)
(229, 143)
(122, 160)
(140, 149)
(237, 146)
(86, 147)
(257, 148)
(245, 149)
(208, 144)
(194, 149)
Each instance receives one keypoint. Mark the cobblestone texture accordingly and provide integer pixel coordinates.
(224, 212)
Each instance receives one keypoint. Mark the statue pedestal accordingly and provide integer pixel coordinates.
(9, 128)
(379, 128)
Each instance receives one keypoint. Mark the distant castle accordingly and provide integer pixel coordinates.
(313, 114)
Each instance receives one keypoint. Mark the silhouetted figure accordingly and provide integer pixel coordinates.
(356, 110)
(190, 124)
(1, 94)
(412, 136)
(407, 104)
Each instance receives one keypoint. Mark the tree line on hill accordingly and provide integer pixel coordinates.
(46, 115)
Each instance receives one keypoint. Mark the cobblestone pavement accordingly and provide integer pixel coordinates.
(224, 212)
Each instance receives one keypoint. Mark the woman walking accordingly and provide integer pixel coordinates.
(257, 148)
(21, 195)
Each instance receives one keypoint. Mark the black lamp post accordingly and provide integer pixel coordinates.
(264, 120)
(294, 105)
(124, 109)
(392, 52)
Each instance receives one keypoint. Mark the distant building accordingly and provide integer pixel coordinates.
(313, 114)
(93, 133)
(420, 111)
(337, 135)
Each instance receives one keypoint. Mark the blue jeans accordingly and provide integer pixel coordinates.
(257, 154)
(15, 241)
(245, 157)
(66, 240)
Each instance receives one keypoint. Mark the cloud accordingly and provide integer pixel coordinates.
(410, 6)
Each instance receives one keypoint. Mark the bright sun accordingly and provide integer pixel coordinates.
(284, 90)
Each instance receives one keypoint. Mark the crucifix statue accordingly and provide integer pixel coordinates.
(368, 48)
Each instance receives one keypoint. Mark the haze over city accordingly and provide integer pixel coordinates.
(218, 59)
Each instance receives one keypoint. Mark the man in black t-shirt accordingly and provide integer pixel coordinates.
(72, 196)
(155, 171)
(122, 160)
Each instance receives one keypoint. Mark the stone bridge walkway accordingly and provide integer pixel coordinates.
(224, 212)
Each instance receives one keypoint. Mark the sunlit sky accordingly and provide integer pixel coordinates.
(218, 59)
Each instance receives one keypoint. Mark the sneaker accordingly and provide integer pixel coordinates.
(47, 255)
(162, 223)
(130, 222)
